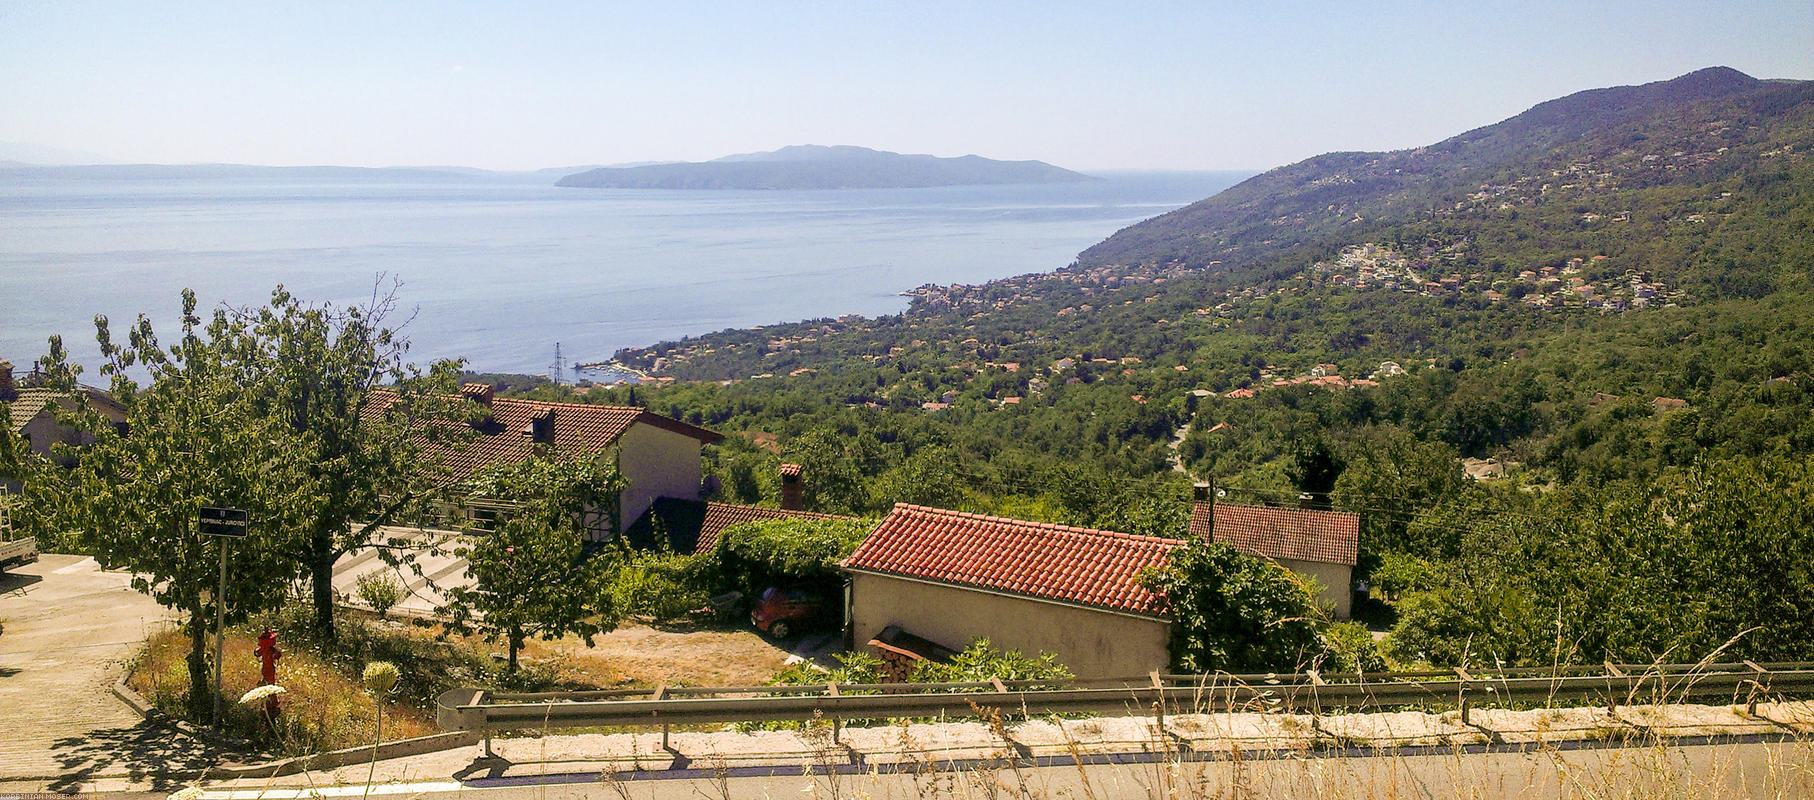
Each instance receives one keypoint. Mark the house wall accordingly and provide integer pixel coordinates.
(1094, 644)
(1335, 582)
(658, 463)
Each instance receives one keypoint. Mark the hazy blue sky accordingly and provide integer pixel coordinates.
(1086, 85)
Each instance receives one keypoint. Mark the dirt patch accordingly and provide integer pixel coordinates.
(641, 655)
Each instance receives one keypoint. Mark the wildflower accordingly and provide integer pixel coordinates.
(260, 693)
(381, 676)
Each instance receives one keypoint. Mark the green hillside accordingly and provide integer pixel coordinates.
(1601, 305)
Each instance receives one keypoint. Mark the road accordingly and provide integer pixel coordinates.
(1704, 771)
(68, 627)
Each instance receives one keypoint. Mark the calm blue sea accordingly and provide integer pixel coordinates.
(498, 272)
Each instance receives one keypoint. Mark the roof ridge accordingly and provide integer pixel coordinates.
(1282, 509)
(1027, 523)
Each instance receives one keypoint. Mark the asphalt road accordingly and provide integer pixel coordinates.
(69, 626)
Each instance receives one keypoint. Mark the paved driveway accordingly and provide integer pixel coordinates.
(68, 627)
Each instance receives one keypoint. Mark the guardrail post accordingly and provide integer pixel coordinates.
(831, 690)
(661, 692)
(1159, 701)
(1757, 686)
(1461, 693)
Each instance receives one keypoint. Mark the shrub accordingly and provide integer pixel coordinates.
(982, 661)
(752, 556)
(664, 586)
(379, 591)
(1236, 613)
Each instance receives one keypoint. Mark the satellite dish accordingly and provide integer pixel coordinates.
(1221, 492)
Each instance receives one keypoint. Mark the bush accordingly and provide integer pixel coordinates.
(1348, 647)
(982, 661)
(664, 586)
(379, 591)
(1236, 613)
(753, 556)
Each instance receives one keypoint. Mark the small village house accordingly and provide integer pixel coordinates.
(32, 414)
(1322, 546)
(949, 578)
(658, 456)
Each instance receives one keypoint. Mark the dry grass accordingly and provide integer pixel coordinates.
(645, 656)
(322, 710)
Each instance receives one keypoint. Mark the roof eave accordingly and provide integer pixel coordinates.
(1008, 593)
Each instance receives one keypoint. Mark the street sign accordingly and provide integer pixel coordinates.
(224, 522)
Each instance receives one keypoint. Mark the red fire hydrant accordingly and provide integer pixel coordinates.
(268, 653)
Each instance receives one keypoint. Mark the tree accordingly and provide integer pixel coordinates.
(1235, 612)
(532, 576)
(194, 440)
(532, 579)
(329, 377)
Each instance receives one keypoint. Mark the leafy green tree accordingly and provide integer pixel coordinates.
(532, 580)
(531, 576)
(195, 440)
(1391, 477)
(328, 376)
(833, 482)
(1235, 613)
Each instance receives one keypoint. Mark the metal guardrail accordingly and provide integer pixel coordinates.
(1612, 685)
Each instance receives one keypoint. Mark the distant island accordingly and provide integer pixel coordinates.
(822, 167)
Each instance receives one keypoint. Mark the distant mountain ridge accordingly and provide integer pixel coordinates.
(1312, 200)
(824, 167)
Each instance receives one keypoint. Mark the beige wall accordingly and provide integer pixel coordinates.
(1334, 583)
(1094, 644)
(658, 463)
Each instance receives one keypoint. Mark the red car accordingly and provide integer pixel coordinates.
(779, 612)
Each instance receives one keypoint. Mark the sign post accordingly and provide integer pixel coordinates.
(224, 524)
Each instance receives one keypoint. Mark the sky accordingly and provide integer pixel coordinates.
(1092, 86)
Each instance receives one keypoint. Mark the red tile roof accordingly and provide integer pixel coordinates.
(578, 429)
(1054, 562)
(1327, 537)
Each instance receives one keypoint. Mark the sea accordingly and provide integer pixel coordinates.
(499, 271)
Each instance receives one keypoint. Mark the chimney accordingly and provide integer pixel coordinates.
(7, 392)
(793, 493)
(541, 427)
(478, 392)
(1306, 501)
(1200, 492)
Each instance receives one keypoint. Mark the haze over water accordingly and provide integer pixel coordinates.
(499, 271)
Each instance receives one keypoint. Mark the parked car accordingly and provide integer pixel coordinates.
(780, 612)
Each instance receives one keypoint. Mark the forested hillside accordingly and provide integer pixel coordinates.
(1601, 305)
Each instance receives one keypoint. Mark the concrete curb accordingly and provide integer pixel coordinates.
(151, 714)
(290, 766)
(352, 755)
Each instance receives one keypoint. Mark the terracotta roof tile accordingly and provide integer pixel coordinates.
(1054, 562)
(578, 429)
(1328, 537)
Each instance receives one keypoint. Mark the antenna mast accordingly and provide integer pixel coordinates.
(559, 367)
